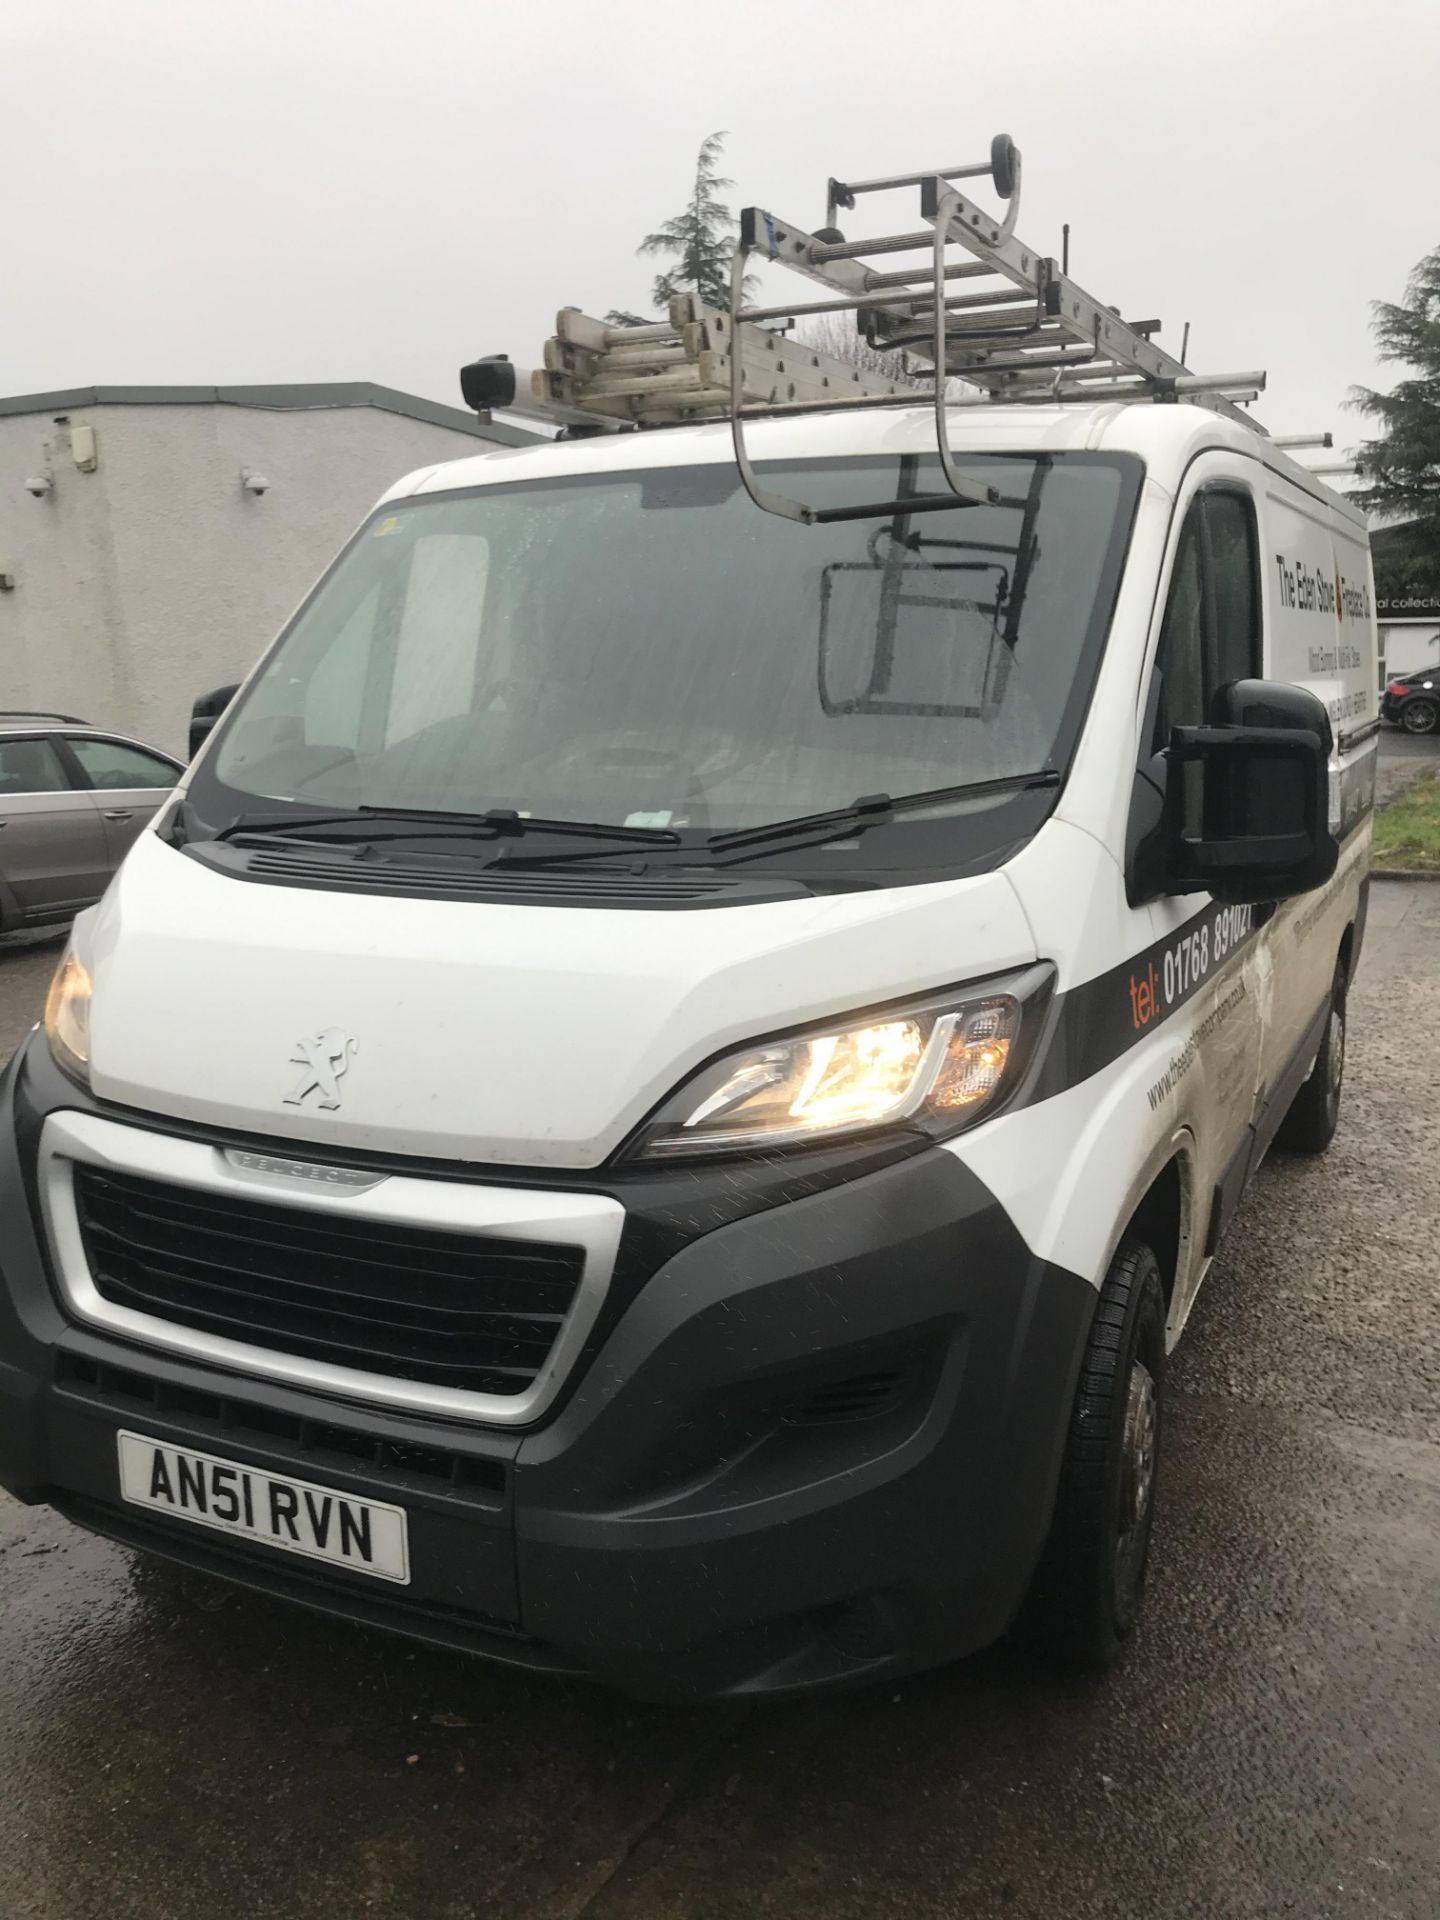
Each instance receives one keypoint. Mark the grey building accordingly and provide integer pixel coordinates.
(153, 539)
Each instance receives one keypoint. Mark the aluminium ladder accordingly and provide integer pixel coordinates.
(1029, 334)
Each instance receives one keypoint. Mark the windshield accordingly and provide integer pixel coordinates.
(649, 649)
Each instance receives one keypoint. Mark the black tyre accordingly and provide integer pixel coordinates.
(1086, 1593)
(1420, 716)
(1314, 1114)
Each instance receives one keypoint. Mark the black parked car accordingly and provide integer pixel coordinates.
(1412, 700)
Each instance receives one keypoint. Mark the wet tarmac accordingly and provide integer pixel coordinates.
(1270, 1747)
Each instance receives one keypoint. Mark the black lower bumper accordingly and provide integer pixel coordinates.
(819, 1443)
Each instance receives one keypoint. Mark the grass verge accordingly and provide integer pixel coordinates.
(1407, 832)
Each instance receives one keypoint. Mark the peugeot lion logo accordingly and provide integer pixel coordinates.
(323, 1059)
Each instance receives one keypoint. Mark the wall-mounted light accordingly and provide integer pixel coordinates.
(253, 482)
(40, 484)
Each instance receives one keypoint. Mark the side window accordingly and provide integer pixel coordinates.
(113, 765)
(1211, 633)
(1234, 587)
(1181, 658)
(30, 766)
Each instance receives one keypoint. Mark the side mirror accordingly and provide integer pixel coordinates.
(205, 712)
(1247, 798)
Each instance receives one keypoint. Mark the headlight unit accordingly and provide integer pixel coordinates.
(67, 1014)
(939, 1063)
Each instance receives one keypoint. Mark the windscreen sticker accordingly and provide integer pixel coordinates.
(1104, 1017)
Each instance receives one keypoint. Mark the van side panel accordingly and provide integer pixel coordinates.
(1150, 1056)
(1192, 1081)
(1320, 605)
(1320, 633)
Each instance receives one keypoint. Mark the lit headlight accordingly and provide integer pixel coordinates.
(940, 1064)
(67, 1016)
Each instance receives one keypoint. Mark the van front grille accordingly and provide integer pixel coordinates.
(468, 1311)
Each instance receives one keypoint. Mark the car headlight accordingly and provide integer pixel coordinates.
(67, 1016)
(940, 1063)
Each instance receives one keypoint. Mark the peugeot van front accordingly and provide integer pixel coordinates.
(612, 1122)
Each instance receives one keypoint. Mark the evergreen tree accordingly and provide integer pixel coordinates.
(1402, 466)
(700, 236)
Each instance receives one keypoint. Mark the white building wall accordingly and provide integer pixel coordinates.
(157, 576)
(1406, 646)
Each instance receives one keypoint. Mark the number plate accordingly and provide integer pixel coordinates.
(295, 1515)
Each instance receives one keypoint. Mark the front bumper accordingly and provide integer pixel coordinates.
(816, 1443)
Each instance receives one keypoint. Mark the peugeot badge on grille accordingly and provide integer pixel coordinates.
(279, 1167)
(323, 1060)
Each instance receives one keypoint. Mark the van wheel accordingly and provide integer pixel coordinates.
(1085, 1597)
(1314, 1114)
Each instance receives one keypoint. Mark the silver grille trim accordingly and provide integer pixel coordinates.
(591, 1222)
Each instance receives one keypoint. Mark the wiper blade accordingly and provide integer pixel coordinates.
(871, 810)
(806, 830)
(293, 823)
(375, 824)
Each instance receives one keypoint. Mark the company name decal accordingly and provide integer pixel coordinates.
(1307, 589)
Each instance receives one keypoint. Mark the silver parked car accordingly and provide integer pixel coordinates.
(72, 799)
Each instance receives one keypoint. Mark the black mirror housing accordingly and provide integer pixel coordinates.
(206, 712)
(1247, 798)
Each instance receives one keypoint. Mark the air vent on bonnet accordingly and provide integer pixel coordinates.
(373, 877)
(343, 871)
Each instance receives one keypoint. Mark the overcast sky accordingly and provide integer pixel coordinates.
(221, 191)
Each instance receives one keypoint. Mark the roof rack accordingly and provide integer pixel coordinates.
(1032, 334)
(22, 713)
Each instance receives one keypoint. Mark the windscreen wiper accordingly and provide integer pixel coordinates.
(375, 824)
(806, 830)
(871, 810)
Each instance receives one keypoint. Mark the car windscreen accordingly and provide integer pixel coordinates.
(648, 648)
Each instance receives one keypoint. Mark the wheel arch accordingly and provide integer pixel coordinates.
(1347, 952)
(1162, 1220)
(1161, 1209)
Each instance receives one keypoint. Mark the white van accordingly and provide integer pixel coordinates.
(656, 1104)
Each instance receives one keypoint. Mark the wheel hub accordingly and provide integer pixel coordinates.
(1336, 1049)
(1138, 1467)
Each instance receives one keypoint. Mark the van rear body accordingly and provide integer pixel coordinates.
(597, 1127)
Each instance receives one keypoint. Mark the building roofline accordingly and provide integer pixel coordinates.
(299, 397)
